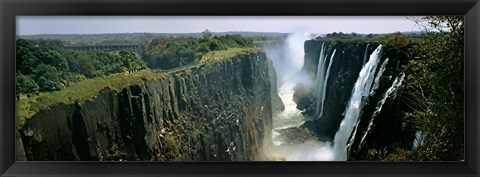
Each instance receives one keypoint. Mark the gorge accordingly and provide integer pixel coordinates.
(219, 111)
(336, 99)
(300, 99)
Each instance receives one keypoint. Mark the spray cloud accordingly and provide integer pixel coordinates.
(288, 60)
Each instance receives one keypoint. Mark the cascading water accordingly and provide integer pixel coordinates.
(325, 83)
(419, 139)
(321, 80)
(365, 55)
(286, 132)
(388, 94)
(377, 78)
(291, 117)
(318, 83)
(355, 105)
(371, 74)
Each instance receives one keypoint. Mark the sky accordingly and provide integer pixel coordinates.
(27, 25)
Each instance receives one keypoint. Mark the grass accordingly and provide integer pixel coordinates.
(89, 88)
(213, 57)
(80, 92)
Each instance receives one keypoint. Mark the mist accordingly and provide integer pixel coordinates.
(288, 59)
(311, 150)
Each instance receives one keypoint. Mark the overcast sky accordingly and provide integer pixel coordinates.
(27, 25)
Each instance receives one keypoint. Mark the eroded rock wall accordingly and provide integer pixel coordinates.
(216, 112)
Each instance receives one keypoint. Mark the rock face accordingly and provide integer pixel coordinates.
(219, 112)
(348, 60)
(346, 65)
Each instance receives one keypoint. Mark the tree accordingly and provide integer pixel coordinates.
(47, 77)
(53, 58)
(207, 34)
(436, 85)
(82, 63)
(25, 84)
(173, 52)
(25, 56)
(127, 58)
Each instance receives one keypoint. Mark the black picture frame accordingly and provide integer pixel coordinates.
(10, 9)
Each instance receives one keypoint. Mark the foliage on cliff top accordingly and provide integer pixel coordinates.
(80, 92)
(172, 52)
(356, 38)
(218, 56)
(44, 65)
(434, 91)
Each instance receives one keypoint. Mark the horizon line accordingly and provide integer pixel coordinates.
(211, 31)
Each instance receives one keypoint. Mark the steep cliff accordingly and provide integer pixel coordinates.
(380, 118)
(217, 111)
(346, 64)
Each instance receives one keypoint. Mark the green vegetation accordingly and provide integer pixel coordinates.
(171, 52)
(86, 82)
(50, 75)
(350, 36)
(380, 38)
(139, 38)
(43, 66)
(80, 92)
(434, 94)
(218, 56)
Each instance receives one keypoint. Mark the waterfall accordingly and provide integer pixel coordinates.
(321, 80)
(325, 83)
(365, 55)
(388, 94)
(355, 105)
(284, 145)
(377, 78)
(352, 138)
(419, 139)
(318, 83)
(370, 77)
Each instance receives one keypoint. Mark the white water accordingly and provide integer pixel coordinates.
(365, 94)
(318, 83)
(419, 139)
(365, 55)
(288, 58)
(291, 116)
(388, 94)
(311, 150)
(355, 105)
(288, 61)
(325, 83)
(371, 74)
(377, 78)
(321, 80)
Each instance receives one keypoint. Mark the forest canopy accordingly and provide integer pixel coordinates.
(171, 52)
(434, 93)
(43, 65)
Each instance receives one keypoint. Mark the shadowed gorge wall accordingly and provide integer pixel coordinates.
(347, 63)
(386, 128)
(219, 111)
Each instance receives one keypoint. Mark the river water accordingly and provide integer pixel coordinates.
(285, 143)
